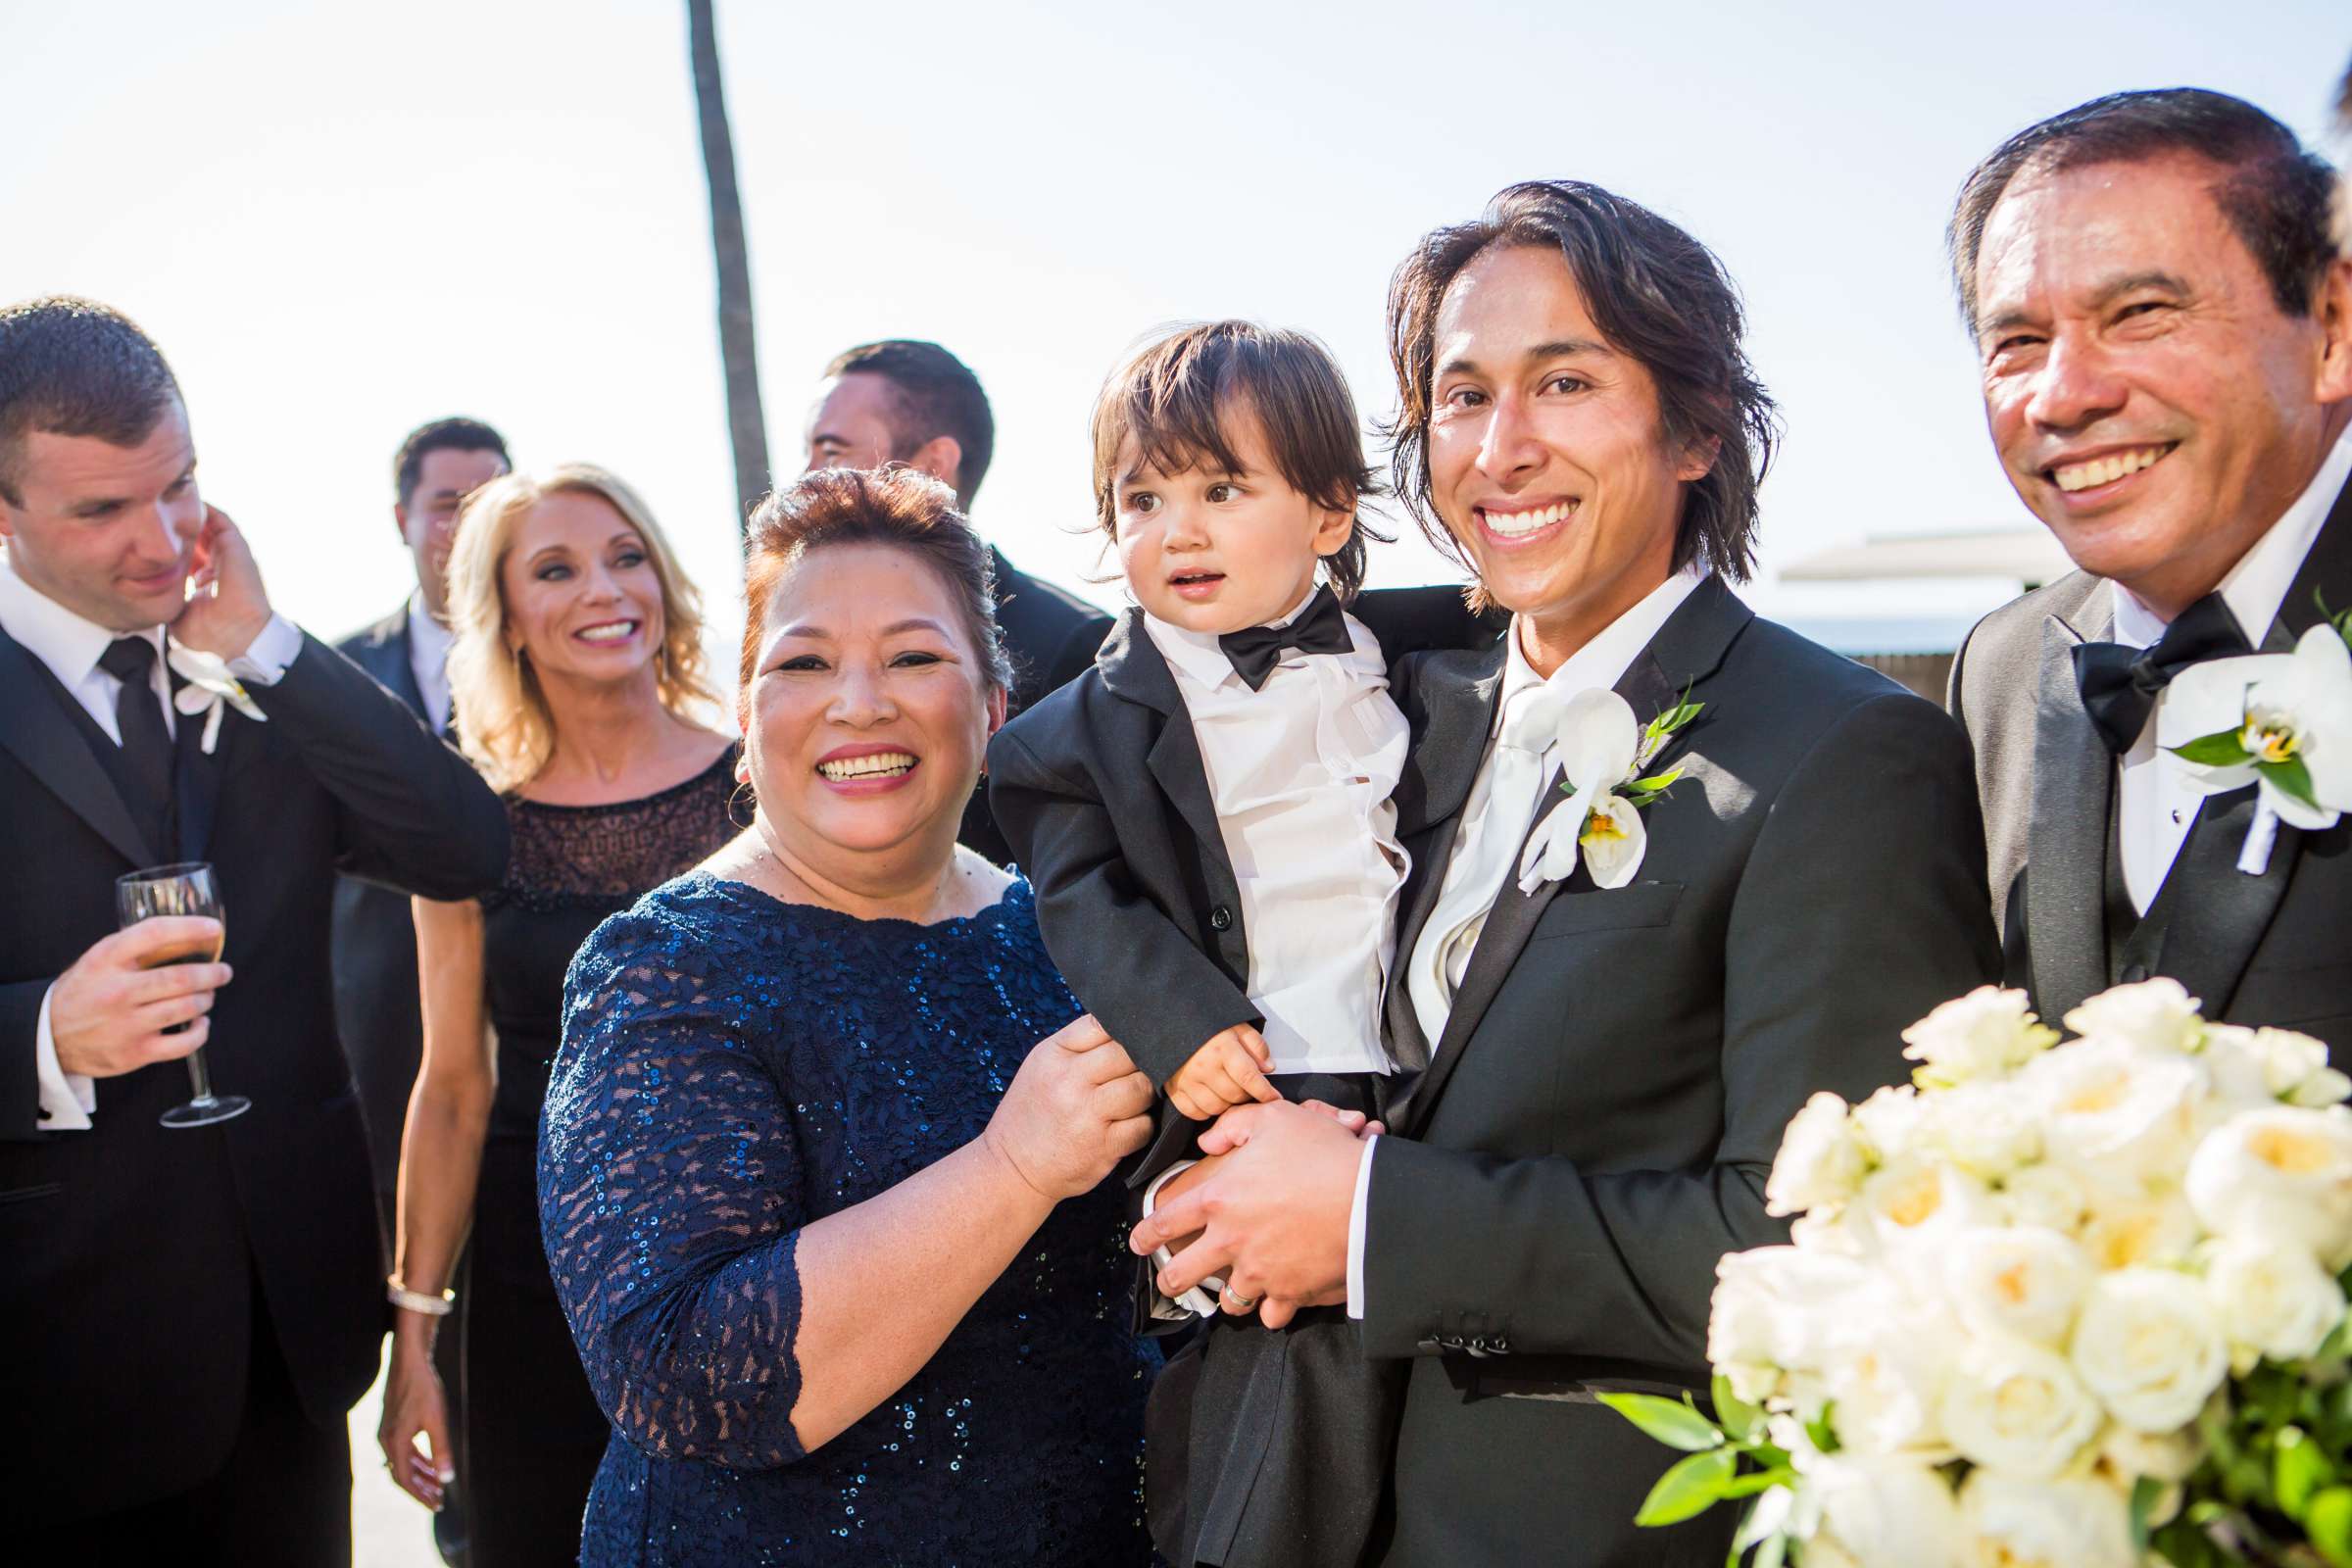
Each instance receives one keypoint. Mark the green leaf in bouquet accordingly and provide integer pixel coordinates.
(2299, 1471)
(1737, 1419)
(2328, 1523)
(1689, 1489)
(1823, 1428)
(2144, 1494)
(2338, 1342)
(1670, 1421)
(1755, 1481)
(2221, 749)
(2274, 1392)
(2184, 1544)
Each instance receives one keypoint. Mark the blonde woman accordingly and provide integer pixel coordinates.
(579, 692)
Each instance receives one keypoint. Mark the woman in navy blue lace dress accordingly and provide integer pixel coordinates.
(829, 1221)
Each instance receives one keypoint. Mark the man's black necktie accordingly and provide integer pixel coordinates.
(1319, 628)
(147, 751)
(2120, 684)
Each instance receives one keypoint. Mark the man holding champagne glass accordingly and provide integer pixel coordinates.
(191, 1302)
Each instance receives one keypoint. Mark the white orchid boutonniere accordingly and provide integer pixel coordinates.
(210, 690)
(2279, 722)
(1603, 753)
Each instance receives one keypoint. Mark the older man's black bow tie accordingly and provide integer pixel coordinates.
(1320, 628)
(2120, 684)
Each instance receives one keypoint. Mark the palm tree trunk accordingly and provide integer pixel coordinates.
(738, 345)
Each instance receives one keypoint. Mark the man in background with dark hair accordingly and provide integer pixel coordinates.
(904, 401)
(435, 469)
(2163, 324)
(186, 1314)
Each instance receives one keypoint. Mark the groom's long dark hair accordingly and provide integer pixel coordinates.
(1657, 294)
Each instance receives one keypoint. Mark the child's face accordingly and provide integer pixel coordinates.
(1217, 551)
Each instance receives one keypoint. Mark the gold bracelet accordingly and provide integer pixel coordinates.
(402, 1297)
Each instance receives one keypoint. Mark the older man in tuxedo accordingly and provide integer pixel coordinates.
(188, 1314)
(2162, 321)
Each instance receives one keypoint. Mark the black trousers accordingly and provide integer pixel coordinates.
(1264, 1448)
(283, 1501)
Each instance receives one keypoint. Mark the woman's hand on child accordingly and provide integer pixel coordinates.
(1228, 1072)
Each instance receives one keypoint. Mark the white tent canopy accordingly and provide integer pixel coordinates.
(2022, 555)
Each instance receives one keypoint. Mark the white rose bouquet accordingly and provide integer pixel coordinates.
(2051, 1306)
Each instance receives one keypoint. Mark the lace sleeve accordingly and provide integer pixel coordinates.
(670, 1196)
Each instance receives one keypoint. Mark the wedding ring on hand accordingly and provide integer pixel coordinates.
(1238, 1301)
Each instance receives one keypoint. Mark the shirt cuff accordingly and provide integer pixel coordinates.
(266, 659)
(68, 1100)
(1202, 1298)
(1357, 1209)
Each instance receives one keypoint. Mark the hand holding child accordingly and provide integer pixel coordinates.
(1228, 1072)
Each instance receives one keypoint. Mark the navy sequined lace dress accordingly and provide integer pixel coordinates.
(734, 1068)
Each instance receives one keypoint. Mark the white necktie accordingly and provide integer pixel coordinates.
(1486, 854)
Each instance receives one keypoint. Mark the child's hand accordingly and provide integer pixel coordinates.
(1229, 1071)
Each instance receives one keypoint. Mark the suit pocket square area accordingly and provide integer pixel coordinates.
(1637, 906)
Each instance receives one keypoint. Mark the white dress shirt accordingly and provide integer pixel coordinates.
(429, 662)
(71, 647)
(2156, 804)
(1486, 848)
(1300, 772)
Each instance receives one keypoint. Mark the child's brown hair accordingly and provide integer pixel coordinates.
(1173, 396)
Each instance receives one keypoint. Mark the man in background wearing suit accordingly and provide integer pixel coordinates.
(188, 1314)
(437, 467)
(903, 401)
(2163, 326)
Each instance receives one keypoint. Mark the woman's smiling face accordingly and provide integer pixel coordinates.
(868, 711)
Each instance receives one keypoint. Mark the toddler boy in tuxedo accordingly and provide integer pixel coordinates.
(1205, 817)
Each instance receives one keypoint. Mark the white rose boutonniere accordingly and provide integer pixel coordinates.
(210, 690)
(2284, 724)
(1603, 750)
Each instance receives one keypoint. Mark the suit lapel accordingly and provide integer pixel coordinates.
(1134, 670)
(2219, 914)
(1686, 649)
(38, 734)
(387, 647)
(2074, 778)
(1456, 701)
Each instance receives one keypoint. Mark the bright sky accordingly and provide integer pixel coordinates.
(342, 221)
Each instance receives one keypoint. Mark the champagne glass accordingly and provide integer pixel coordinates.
(184, 889)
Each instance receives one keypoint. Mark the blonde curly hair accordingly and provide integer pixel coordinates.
(502, 719)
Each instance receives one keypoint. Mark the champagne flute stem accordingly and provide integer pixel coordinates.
(200, 1077)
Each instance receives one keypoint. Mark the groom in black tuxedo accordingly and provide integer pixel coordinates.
(1599, 1070)
(188, 1314)
(2164, 325)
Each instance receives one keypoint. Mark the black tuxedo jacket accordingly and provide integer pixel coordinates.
(132, 1249)
(1052, 635)
(2258, 950)
(1102, 792)
(1593, 1129)
(376, 1008)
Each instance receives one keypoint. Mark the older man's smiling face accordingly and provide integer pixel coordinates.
(2150, 401)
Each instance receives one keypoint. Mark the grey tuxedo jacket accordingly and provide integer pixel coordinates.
(1594, 1127)
(2256, 950)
